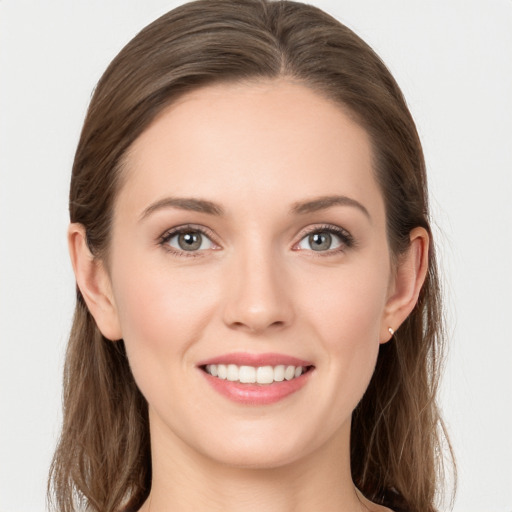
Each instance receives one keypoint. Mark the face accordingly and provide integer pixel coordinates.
(249, 244)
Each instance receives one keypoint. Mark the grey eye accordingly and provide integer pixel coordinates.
(190, 241)
(321, 241)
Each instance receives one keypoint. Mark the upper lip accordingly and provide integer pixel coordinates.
(246, 359)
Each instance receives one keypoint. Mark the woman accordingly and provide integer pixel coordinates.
(258, 321)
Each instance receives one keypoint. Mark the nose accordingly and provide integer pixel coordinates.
(258, 296)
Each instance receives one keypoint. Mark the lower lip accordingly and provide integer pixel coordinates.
(257, 394)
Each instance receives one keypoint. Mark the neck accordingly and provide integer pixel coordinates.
(185, 480)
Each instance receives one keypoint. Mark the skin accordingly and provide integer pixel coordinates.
(256, 286)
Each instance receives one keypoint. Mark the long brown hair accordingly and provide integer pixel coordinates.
(103, 457)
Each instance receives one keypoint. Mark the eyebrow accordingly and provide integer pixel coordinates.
(324, 202)
(183, 203)
(298, 208)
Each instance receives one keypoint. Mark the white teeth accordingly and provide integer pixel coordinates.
(247, 374)
(232, 372)
(279, 373)
(265, 375)
(289, 373)
(251, 374)
(222, 371)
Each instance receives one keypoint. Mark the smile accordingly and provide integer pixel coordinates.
(256, 379)
(255, 374)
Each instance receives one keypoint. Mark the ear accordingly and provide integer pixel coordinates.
(406, 283)
(94, 283)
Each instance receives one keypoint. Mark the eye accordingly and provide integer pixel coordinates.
(187, 239)
(326, 239)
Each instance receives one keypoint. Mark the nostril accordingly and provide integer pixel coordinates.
(257, 325)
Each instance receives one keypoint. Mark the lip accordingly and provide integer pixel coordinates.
(246, 359)
(256, 394)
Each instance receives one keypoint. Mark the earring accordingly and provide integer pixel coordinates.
(391, 331)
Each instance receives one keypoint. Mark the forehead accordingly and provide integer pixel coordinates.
(251, 143)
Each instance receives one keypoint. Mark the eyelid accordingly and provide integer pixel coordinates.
(170, 233)
(347, 240)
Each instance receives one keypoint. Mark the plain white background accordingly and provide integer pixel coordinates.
(453, 60)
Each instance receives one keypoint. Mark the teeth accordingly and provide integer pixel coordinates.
(247, 374)
(251, 374)
(232, 372)
(265, 375)
(289, 372)
(279, 373)
(222, 371)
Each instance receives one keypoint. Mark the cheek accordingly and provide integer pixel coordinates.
(162, 313)
(348, 304)
(346, 312)
(351, 336)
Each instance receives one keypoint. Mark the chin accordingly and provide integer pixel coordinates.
(257, 458)
(270, 447)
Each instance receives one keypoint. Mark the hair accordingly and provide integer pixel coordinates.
(398, 438)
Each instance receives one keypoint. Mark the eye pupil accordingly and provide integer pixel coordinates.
(190, 241)
(320, 241)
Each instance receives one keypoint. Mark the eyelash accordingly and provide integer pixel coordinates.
(347, 240)
(187, 228)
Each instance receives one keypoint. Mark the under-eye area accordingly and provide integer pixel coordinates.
(256, 374)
